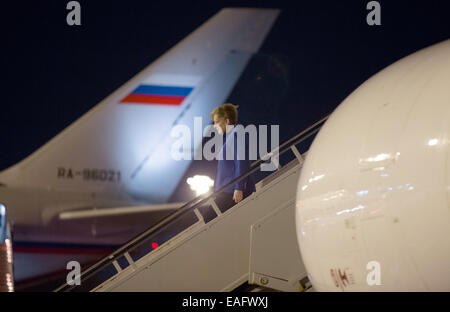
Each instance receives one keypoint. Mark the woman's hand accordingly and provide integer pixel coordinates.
(238, 196)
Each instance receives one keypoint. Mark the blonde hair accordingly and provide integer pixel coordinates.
(227, 111)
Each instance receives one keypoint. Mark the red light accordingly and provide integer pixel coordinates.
(154, 245)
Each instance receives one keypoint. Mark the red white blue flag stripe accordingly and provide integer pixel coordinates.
(154, 94)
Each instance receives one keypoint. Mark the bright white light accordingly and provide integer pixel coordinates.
(318, 177)
(379, 157)
(350, 210)
(433, 142)
(200, 184)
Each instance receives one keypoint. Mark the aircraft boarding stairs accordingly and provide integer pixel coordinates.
(253, 242)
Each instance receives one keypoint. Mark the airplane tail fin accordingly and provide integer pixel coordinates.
(123, 143)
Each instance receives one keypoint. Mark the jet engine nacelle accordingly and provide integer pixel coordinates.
(373, 198)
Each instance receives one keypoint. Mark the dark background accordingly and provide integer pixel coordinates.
(317, 53)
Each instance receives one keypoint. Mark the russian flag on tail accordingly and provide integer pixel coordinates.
(155, 94)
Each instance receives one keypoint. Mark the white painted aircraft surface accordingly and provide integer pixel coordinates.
(373, 198)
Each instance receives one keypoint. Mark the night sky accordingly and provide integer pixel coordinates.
(317, 53)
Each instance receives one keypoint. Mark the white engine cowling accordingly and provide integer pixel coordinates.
(373, 198)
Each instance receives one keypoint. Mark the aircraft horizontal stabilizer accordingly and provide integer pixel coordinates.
(116, 211)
